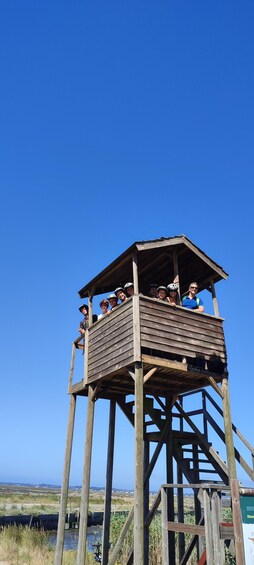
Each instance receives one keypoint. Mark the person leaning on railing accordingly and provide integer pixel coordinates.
(191, 300)
(84, 324)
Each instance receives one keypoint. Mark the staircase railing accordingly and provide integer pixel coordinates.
(211, 420)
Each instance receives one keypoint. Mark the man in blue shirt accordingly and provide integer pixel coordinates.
(192, 301)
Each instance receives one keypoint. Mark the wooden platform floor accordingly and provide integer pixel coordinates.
(161, 377)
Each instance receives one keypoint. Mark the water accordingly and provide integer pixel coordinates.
(94, 534)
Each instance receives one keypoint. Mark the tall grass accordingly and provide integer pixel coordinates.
(155, 557)
(21, 545)
(155, 541)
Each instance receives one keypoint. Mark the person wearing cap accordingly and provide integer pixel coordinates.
(152, 290)
(120, 294)
(85, 322)
(129, 289)
(112, 298)
(172, 294)
(104, 304)
(191, 300)
(162, 293)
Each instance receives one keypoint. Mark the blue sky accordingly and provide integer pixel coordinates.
(120, 121)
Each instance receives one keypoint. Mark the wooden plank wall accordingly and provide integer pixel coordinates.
(111, 342)
(180, 331)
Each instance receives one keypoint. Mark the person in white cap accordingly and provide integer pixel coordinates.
(173, 294)
(162, 293)
(129, 289)
(119, 291)
(112, 298)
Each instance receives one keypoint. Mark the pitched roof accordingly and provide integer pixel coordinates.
(155, 264)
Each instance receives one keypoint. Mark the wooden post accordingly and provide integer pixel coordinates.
(170, 491)
(216, 518)
(180, 513)
(81, 555)
(86, 347)
(197, 506)
(215, 302)
(65, 483)
(135, 272)
(139, 468)
(136, 328)
(109, 476)
(228, 431)
(164, 519)
(237, 521)
(90, 305)
(73, 355)
(146, 502)
(176, 273)
(208, 527)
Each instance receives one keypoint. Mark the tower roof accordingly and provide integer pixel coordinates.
(155, 263)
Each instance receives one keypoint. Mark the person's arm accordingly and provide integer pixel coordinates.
(200, 309)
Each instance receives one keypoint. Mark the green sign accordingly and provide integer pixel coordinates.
(247, 508)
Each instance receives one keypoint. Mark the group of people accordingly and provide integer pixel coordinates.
(167, 294)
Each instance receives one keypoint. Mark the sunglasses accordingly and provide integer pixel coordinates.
(194, 287)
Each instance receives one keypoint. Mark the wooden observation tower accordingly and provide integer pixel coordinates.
(148, 358)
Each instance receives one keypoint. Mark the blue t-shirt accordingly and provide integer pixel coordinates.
(192, 303)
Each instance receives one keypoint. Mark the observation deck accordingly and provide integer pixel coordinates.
(180, 349)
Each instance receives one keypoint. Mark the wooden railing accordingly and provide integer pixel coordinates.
(144, 325)
(180, 331)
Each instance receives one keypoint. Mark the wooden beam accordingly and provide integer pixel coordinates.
(237, 520)
(135, 271)
(86, 353)
(215, 386)
(150, 374)
(65, 483)
(81, 554)
(228, 431)
(121, 538)
(132, 375)
(146, 503)
(95, 391)
(215, 301)
(164, 363)
(109, 476)
(186, 528)
(164, 524)
(176, 274)
(139, 468)
(136, 329)
(73, 355)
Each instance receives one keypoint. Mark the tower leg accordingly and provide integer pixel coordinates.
(228, 431)
(65, 483)
(240, 559)
(170, 480)
(108, 494)
(139, 468)
(146, 502)
(81, 557)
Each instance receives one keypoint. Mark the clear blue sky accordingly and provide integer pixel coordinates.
(120, 121)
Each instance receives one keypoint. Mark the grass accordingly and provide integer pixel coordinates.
(23, 546)
(15, 500)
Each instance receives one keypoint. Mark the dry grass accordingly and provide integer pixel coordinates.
(15, 500)
(24, 546)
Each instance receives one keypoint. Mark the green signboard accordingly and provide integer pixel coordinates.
(247, 508)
